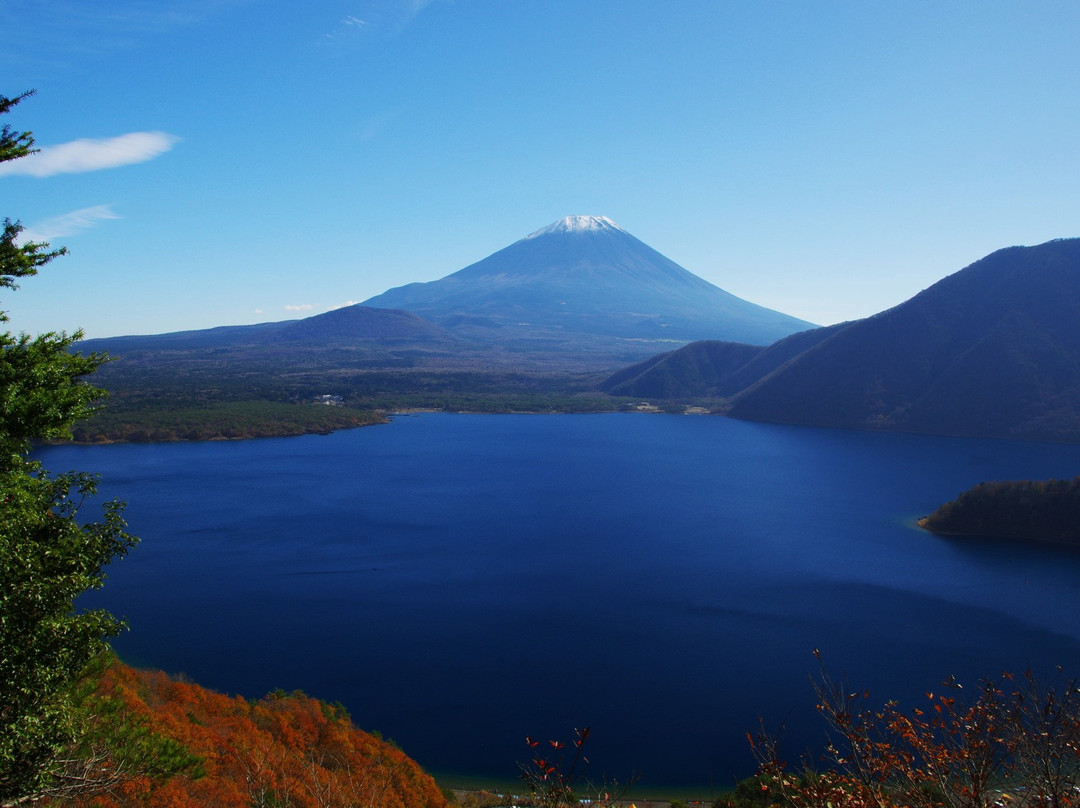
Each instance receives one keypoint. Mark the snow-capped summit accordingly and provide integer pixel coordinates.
(578, 224)
(583, 284)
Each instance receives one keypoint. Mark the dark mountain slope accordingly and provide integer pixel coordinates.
(360, 323)
(225, 336)
(352, 325)
(584, 275)
(779, 354)
(992, 350)
(698, 369)
(709, 368)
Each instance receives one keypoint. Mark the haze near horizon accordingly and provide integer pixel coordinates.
(222, 162)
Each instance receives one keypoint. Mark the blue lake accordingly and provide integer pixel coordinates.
(461, 581)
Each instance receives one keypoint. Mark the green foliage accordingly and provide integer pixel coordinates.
(335, 711)
(167, 397)
(18, 260)
(753, 792)
(41, 394)
(47, 558)
(22, 260)
(14, 145)
(114, 743)
(49, 552)
(1043, 510)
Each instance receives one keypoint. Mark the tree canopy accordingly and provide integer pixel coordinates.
(49, 552)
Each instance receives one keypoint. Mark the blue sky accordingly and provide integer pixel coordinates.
(218, 162)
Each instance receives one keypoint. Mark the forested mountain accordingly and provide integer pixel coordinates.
(1041, 510)
(709, 368)
(992, 350)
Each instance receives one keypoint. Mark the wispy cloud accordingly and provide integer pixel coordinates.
(380, 15)
(299, 307)
(79, 156)
(346, 304)
(69, 224)
(348, 26)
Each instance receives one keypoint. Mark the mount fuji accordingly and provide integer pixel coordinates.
(585, 284)
(579, 296)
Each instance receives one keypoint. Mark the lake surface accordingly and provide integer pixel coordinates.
(461, 581)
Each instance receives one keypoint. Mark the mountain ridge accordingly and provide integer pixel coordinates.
(581, 294)
(992, 350)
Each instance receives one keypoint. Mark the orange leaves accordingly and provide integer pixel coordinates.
(955, 754)
(285, 749)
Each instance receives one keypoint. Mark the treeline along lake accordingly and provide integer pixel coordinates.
(461, 581)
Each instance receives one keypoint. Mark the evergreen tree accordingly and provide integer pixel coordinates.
(49, 554)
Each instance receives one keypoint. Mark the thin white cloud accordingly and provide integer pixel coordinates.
(80, 156)
(344, 305)
(299, 307)
(391, 16)
(69, 224)
(256, 311)
(348, 26)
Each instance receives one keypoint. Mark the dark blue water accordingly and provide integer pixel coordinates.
(462, 581)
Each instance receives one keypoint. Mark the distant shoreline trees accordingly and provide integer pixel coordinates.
(1043, 510)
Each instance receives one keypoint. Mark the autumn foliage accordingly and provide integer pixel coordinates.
(556, 776)
(1006, 741)
(284, 750)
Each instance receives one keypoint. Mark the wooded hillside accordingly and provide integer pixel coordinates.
(1042, 510)
(286, 750)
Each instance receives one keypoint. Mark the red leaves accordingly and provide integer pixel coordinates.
(553, 781)
(958, 753)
